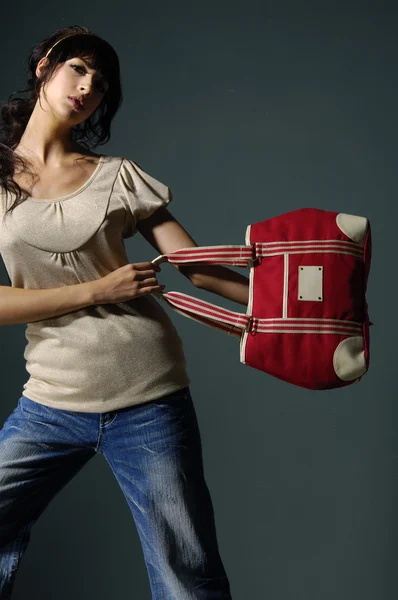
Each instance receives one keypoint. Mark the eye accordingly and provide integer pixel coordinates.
(101, 87)
(78, 67)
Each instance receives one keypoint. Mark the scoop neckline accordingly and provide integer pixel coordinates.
(81, 188)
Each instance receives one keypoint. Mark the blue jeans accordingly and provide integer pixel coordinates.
(154, 450)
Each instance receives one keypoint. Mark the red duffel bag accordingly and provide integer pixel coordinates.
(307, 319)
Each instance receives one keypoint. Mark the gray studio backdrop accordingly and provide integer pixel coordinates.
(246, 110)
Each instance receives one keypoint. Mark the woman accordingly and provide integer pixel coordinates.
(107, 367)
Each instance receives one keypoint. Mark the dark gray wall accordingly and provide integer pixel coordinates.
(246, 110)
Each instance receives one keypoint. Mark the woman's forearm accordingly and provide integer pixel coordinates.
(18, 305)
(222, 281)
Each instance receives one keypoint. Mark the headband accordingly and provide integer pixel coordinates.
(66, 36)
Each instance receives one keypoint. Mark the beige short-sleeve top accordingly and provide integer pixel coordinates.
(100, 358)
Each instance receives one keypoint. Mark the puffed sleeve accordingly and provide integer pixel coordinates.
(142, 194)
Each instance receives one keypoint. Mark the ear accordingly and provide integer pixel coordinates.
(43, 62)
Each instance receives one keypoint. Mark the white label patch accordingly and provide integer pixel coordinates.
(310, 283)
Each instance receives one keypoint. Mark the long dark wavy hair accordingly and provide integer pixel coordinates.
(15, 114)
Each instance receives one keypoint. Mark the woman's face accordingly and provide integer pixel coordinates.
(73, 78)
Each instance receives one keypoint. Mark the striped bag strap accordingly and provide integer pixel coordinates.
(233, 323)
(240, 256)
(230, 322)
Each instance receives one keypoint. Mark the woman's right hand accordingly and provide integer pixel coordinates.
(130, 281)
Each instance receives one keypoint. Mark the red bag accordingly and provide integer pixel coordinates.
(307, 319)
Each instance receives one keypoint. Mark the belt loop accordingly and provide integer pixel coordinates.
(249, 325)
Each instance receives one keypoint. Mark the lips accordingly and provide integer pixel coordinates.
(76, 103)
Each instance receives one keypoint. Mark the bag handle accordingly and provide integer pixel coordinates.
(233, 323)
(240, 256)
